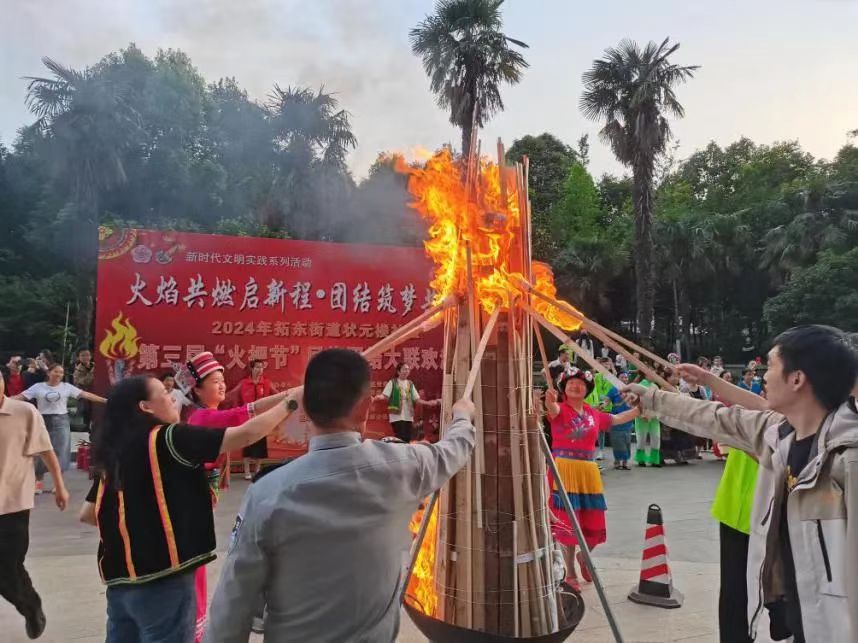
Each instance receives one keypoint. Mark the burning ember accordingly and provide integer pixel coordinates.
(484, 217)
(122, 342)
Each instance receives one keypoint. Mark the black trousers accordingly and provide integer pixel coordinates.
(403, 430)
(733, 598)
(15, 584)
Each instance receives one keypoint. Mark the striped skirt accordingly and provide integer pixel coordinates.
(583, 484)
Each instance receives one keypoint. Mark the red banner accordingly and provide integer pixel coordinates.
(165, 296)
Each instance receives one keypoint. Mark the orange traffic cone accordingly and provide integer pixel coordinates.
(656, 583)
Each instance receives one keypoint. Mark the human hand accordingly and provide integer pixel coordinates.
(632, 394)
(692, 373)
(61, 497)
(465, 407)
(551, 396)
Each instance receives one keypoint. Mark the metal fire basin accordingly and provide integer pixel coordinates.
(441, 632)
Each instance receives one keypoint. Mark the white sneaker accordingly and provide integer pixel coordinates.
(600, 455)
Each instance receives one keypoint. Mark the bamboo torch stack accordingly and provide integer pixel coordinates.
(486, 562)
(493, 568)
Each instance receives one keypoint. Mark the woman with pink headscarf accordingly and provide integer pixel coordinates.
(209, 392)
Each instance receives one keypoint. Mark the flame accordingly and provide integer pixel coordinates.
(122, 342)
(421, 592)
(543, 281)
(484, 217)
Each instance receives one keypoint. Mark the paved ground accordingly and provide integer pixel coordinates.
(62, 560)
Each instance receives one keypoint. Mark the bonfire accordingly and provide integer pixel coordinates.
(483, 557)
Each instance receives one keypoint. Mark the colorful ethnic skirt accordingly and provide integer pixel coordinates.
(583, 484)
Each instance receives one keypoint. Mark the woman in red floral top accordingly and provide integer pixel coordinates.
(575, 428)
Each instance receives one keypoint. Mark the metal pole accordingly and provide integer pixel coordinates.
(546, 450)
(418, 541)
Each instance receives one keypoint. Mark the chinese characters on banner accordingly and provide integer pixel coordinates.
(165, 296)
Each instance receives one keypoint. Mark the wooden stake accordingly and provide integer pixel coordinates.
(408, 330)
(649, 372)
(478, 356)
(589, 324)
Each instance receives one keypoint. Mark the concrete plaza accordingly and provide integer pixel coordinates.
(62, 560)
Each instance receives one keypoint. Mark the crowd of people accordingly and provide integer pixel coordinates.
(317, 545)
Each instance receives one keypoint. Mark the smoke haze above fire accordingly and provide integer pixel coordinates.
(770, 71)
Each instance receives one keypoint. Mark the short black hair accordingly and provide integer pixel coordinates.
(745, 371)
(334, 381)
(824, 355)
(254, 362)
(166, 375)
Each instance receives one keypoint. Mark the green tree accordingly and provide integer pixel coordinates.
(824, 293)
(550, 161)
(589, 251)
(632, 91)
(89, 123)
(467, 58)
(312, 136)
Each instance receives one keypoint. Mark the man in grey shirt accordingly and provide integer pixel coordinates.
(323, 538)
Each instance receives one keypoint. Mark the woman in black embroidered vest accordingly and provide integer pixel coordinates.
(153, 510)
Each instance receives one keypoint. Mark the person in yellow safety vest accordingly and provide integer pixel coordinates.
(732, 509)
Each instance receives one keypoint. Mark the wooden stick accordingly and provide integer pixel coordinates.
(592, 325)
(410, 329)
(538, 332)
(648, 371)
(559, 334)
(515, 620)
(589, 323)
(478, 356)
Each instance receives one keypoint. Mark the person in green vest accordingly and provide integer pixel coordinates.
(647, 438)
(402, 397)
(732, 509)
(599, 399)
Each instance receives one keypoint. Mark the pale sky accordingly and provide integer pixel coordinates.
(771, 70)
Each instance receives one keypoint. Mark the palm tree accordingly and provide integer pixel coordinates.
(89, 123)
(312, 136)
(311, 126)
(467, 57)
(631, 90)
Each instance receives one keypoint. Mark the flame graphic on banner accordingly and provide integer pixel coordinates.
(121, 342)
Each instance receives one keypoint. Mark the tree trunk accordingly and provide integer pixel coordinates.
(685, 312)
(677, 325)
(645, 284)
(467, 128)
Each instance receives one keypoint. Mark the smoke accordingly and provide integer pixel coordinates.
(357, 49)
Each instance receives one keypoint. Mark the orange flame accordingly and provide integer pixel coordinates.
(421, 592)
(485, 218)
(122, 342)
(543, 281)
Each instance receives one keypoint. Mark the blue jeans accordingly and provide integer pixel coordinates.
(162, 611)
(59, 431)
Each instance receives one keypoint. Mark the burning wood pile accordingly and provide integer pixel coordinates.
(486, 561)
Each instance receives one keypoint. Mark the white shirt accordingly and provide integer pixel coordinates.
(179, 399)
(52, 400)
(406, 406)
(620, 362)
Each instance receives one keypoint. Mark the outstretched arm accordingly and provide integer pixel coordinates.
(92, 397)
(734, 426)
(729, 393)
(625, 416)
